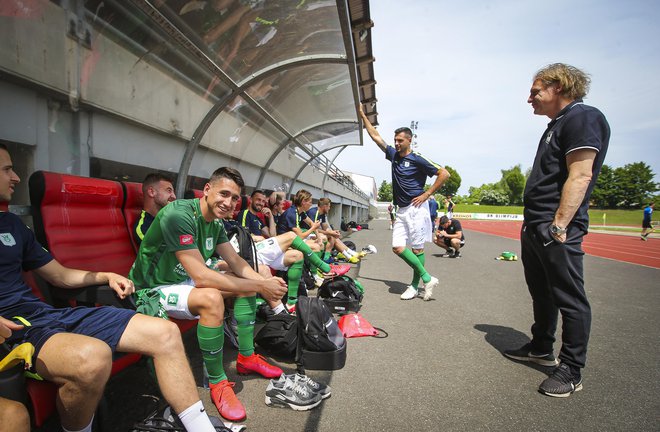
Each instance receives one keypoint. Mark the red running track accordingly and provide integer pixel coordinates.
(616, 247)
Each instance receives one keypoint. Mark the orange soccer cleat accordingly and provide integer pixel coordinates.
(226, 402)
(256, 363)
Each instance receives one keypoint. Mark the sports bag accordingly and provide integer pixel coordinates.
(279, 336)
(240, 238)
(341, 295)
(321, 344)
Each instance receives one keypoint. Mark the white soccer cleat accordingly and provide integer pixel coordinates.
(428, 291)
(409, 294)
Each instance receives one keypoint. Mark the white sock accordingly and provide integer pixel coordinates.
(194, 418)
(279, 308)
(87, 428)
(348, 252)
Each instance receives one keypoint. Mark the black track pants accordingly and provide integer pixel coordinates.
(554, 275)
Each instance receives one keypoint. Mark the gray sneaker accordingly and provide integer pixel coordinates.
(287, 393)
(562, 383)
(315, 387)
(311, 385)
(526, 353)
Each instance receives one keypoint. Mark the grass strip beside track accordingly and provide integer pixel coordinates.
(613, 217)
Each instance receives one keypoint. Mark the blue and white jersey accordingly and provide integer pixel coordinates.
(409, 175)
(314, 215)
(19, 250)
(251, 222)
(291, 219)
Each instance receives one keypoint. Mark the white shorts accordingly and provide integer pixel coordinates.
(270, 253)
(412, 226)
(174, 298)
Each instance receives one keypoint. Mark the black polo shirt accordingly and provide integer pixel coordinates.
(454, 226)
(576, 127)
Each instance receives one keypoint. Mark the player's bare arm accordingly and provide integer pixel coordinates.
(371, 130)
(580, 165)
(67, 278)
(271, 289)
(441, 177)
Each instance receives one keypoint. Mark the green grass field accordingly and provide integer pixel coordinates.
(613, 217)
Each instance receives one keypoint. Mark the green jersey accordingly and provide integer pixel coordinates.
(178, 226)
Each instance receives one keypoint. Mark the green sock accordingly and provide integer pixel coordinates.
(411, 259)
(245, 312)
(211, 341)
(314, 260)
(422, 260)
(326, 256)
(294, 274)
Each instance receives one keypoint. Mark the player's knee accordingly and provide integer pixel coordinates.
(211, 303)
(397, 250)
(93, 363)
(14, 416)
(168, 337)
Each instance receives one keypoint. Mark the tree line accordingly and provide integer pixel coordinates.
(627, 187)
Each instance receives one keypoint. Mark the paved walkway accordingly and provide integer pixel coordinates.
(441, 369)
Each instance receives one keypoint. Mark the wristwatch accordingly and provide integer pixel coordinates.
(557, 230)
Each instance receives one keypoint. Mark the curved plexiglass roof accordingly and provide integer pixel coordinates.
(275, 80)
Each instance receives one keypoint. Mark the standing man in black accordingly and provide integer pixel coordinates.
(568, 160)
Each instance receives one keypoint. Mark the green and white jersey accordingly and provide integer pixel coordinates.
(178, 226)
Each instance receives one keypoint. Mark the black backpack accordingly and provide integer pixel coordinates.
(341, 295)
(241, 239)
(321, 344)
(279, 336)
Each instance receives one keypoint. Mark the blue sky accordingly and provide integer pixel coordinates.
(463, 71)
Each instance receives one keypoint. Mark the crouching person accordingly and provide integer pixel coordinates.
(74, 346)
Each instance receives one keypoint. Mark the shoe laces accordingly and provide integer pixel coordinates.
(563, 374)
(304, 379)
(219, 388)
(297, 388)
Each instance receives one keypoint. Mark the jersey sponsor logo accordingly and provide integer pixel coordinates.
(186, 239)
(7, 239)
(178, 269)
(172, 299)
(209, 243)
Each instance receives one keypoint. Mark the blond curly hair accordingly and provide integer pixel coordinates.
(574, 83)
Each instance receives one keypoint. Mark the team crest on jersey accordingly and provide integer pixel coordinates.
(185, 239)
(7, 239)
(406, 164)
(209, 243)
(548, 138)
(172, 299)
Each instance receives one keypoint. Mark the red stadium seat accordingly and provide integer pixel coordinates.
(80, 221)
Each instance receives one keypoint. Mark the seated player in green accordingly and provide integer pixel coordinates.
(172, 261)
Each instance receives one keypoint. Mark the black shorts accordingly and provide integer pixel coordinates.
(42, 321)
(646, 223)
(448, 241)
